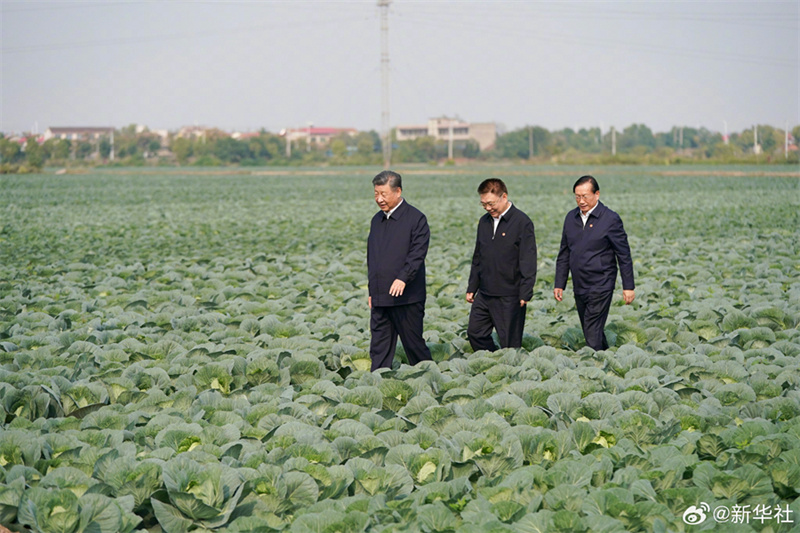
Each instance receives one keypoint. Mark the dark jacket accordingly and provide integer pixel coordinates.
(396, 249)
(504, 262)
(591, 253)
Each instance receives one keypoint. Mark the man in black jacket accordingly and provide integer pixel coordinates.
(396, 250)
(592, 243)
(503, 270)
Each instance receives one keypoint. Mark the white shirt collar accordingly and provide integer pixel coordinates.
(496, 221)
(392, 210)
(589, 212)
(501, 215)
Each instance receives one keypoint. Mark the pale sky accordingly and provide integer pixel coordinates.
(246, 65)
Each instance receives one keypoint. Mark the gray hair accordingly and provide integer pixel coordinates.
(387, 176)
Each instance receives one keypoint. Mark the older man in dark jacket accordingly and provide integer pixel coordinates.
(503, 270)
(396, 249)
(592, 243)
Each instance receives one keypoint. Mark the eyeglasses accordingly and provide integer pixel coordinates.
(579, 197)
(490, 205)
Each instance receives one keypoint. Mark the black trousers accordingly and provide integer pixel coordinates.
(386, 323)
(502, 313)
(593, 312)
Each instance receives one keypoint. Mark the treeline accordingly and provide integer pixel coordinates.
(217, 148)
(636, 144)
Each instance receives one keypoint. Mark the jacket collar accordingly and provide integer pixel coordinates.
(507, 216)
(398, 213)
(598, 212)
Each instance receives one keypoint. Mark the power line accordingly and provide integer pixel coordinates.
(544, 11)
(171, 37)
(483, 28)
(67, 5)
(385, 122)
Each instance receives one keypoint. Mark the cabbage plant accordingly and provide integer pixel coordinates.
(198, 495)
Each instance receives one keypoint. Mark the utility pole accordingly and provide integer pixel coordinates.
(755, 139)
(786, 142)
(530, 143)
(725, 135)
(385, 124)
(111, 155)
(288, 145)
(450, 140)
(756, 147)
(613, 141)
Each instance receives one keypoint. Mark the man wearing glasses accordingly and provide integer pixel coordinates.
(592, 243)
(503, 270)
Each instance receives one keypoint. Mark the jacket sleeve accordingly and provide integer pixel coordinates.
(619, 242)
(562, 262)
(474, 272)
(417, 250)
(527, 261)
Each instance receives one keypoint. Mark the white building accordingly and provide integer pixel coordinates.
(442, 128)
(317, 136)
(77, 133)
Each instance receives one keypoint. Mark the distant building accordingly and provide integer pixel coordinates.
(189, 132)
(77, 133)
(485, 133)
(318, 136)
(162, 134)
(241, 136)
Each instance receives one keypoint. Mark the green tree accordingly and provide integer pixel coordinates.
(365, 144)
(257, 146)
(126, 146)
(723, 152)
(105, 147)
(83, 150)
(377, 141)
(62, 149)
(153, 145)
(745, 141)
(771, 139)
(339, 148)
(230, 150)
(516, 144)
(635, 135)
(471, 149)
(34, 153)
(419, 150)
(275, 146)
(10, 151)
(513, 145)
(182, 148)
(49, 148)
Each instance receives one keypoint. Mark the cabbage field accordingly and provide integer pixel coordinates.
(186, 350)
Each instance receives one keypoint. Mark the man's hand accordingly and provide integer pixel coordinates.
(470, 297)
(369, 301)
(397, 288)
(559, 294)
(522, 303)
(628, 296)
